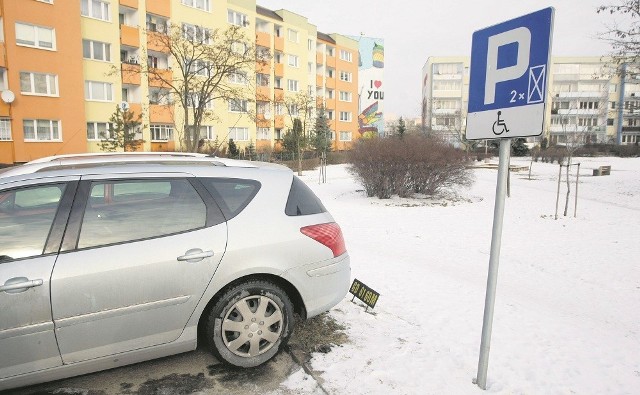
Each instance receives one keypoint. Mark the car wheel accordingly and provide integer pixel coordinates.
(250, 323)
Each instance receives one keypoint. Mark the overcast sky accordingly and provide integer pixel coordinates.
(413, 30)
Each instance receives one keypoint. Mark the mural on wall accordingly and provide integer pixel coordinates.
(371, 89)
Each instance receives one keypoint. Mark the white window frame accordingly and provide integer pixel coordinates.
(51, 83)
(234, 133)
(346, 76)
(345, 136)
(5, 129)
(46, 1)
(195, 33)
(238, 78)
(107, 90)
(237, 18)
(292, 85)
(94, 130)
(238, 106)
(293, 35)
(89, 10)
(293, 61)
(346, 55)
(51, 122)
(330, 115)
(106, 50)
(346, 96)
(161, 132)
(263, 134)
(209, 132)
(345, 116)
(204, 5)
(37, 33)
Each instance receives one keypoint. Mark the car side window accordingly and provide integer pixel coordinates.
(302, 200)
(123, 211)
(232, 194)
(26, 216)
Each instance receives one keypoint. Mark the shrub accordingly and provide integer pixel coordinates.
(414, 164)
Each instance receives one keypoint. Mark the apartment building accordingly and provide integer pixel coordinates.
(588, 101)
(67, 65)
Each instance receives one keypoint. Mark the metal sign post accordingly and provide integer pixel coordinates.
(507, 99)
(494, 260)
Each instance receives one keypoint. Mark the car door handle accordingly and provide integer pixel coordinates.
(19, 284)
(195, 255)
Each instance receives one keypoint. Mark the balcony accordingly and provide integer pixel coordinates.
(279, 121)
(278, 44)
(263, 39)
(130, 73)
(159, 7)
(319, 58)
(130, 36)
(278, 94)
(3, 62)
(263, 93)
(161, 113)
(130, 3)
(319, 80)
(157, 77)
(157, 42)
(263, 67)
(279, 70)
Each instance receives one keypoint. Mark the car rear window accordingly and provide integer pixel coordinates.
(302, 200)
(232, 194)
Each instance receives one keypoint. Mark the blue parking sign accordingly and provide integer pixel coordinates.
(508, 77)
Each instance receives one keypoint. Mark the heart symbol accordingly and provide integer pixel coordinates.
(377, 83)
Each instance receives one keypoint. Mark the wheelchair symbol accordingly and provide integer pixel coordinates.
(502, 127)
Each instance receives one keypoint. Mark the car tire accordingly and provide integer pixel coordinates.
(249, 323)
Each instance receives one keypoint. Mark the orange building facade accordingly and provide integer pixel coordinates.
(66, 65)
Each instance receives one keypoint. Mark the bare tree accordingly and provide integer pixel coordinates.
(624, 32)
(206, 65)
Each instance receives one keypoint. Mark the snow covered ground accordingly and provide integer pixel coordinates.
(567, 313)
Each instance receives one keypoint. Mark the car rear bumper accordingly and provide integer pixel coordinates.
(322, 285)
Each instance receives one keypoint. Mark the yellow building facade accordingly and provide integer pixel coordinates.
(64, 76)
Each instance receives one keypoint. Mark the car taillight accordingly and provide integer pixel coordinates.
(328, 234)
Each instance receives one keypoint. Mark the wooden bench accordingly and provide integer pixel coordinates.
(602, 171)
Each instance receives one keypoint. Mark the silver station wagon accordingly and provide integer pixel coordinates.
(108, 260)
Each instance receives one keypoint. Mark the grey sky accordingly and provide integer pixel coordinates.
(413, 30)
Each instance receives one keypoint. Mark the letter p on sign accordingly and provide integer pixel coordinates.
(520, 36)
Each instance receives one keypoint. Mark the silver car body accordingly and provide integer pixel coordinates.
(73, 310)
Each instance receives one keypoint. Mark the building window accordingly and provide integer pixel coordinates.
(161, 132)
(330, 115)
(609, 121)
(5, 129)
(95, 9)
(237, 18)
(196, 34)
(35, 36)
(345, 55)
(96, 50)
(239, 77)
(330, 94)
(345, 116)
(156, 24)
(193, 101)
(345, 96)
(206, 132)
(263, 134)
(330, 51)
(345, 136)
(345, 76)
(262, 107)
(38, 84)
(279, 108)
(293, 110)
(46, 1)
(41, 130)
(293, 35)
(292, 85)
(262, 79)
(98, 91)
(239, 134)
(588, 105)
(293, 61)
(236, 105)
(204, 5)
(447, 68)
(331, 73)
(310, 45)
(98, 130)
